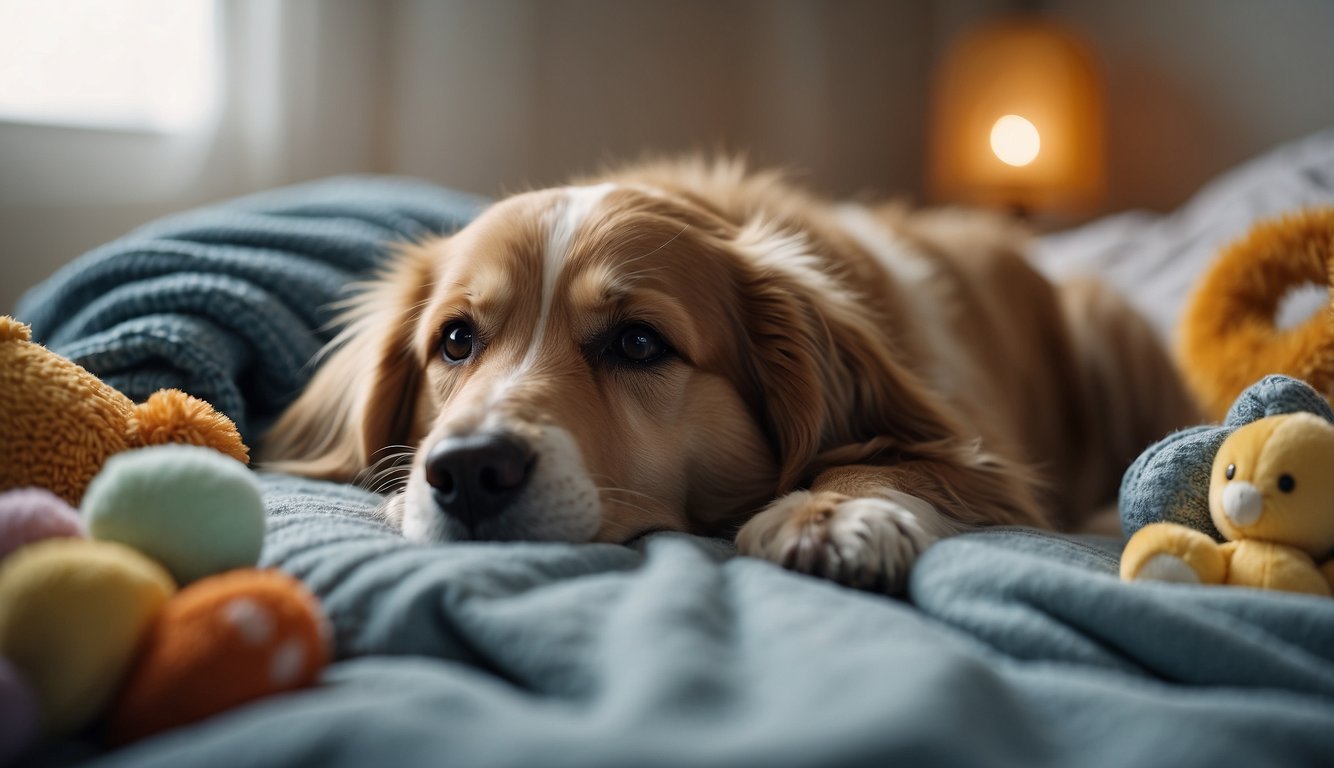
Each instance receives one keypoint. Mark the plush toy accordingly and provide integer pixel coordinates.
(1228, 336)
(59, 423)
(1271, 491)
(18, 714)
(33, 514)
(72, 612)
(193, 510)
(217, 644)
(1169, 482)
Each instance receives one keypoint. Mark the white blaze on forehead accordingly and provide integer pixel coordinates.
(565, 223)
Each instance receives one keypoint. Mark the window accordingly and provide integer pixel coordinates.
(140, 65)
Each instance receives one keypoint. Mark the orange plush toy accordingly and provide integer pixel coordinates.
(219, 643)
(59, 423)
(1229, 338)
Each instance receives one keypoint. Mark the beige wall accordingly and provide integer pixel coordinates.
(1193, 86)
(493, 96)
(497, 95)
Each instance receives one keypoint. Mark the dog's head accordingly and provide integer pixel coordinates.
(591, 363)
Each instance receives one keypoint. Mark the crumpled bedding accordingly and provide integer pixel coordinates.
(1015, 648)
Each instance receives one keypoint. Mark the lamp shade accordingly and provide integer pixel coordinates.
(1017, 119)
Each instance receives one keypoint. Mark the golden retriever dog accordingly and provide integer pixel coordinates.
(686, 346)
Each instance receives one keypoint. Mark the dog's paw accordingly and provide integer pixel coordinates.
(868, 543)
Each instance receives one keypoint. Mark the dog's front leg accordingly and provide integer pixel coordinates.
(863, 526)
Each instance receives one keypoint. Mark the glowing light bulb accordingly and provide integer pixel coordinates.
(1015, 140)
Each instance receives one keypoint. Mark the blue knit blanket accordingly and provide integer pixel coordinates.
(231, 302)
(1014, 648)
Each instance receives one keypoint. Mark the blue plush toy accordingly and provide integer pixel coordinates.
(1169, 482)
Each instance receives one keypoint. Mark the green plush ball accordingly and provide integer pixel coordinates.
(192, 509)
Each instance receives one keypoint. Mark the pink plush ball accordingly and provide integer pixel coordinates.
(32, 514)
(18, 714)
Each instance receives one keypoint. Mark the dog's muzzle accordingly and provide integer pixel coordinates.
(475, 477)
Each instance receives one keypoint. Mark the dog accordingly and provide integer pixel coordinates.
(691, 346)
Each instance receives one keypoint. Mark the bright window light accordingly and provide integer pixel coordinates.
(128, 64)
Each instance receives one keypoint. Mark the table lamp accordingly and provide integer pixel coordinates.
(1017, 120)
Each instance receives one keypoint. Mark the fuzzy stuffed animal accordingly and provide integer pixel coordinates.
(1271, 494)
(1228, 336)
(1169, 482)
(59, 423)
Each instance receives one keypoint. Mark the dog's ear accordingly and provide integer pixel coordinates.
(363, 395)
(829, 381)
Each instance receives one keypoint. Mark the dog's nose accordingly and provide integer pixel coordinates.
(473, 477)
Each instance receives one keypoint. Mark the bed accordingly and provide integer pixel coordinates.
(1012, 646)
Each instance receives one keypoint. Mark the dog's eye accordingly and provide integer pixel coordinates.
(1230, 472)
(456, 344)
(639, 344)
(1286, 483)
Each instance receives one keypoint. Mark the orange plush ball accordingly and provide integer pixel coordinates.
(222, 641)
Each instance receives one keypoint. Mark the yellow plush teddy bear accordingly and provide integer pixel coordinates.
(1271, 494)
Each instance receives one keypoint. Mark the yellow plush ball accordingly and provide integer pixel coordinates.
(72, 613)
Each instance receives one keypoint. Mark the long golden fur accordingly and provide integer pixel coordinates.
(841, 385)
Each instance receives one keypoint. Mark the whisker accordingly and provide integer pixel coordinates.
(388, 462)
(404, 469)
(386, 489)
(598, 478)
(406, 451)
(624, 503)
(385, 468)
(396, 445)
(382, 484)
(384, 481)
(641, 494)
